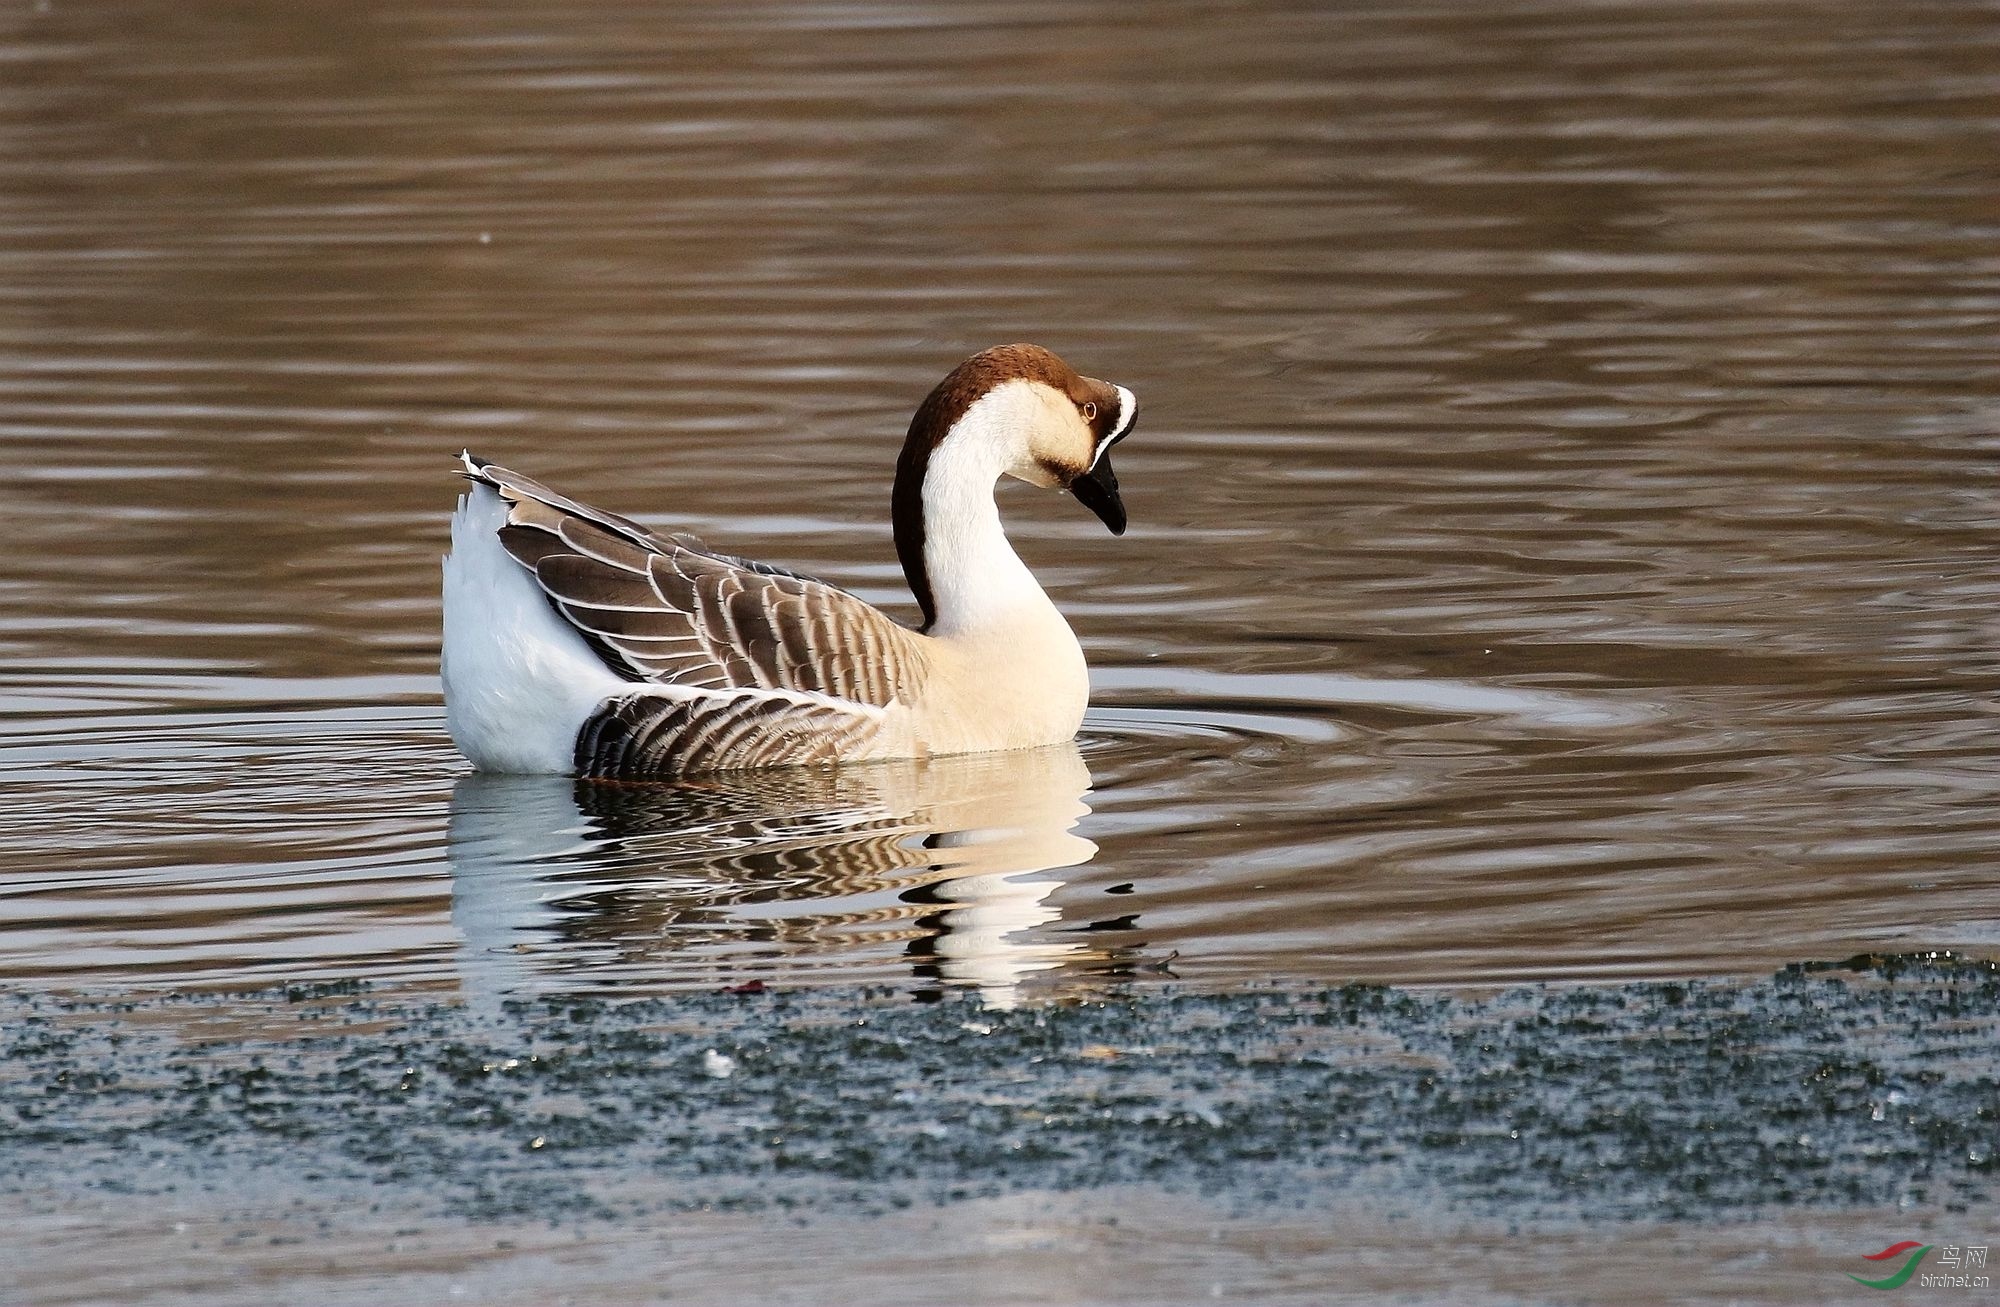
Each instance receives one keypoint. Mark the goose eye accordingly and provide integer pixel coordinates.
(1089, 410)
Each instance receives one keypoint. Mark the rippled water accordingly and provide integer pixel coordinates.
(1563, 527)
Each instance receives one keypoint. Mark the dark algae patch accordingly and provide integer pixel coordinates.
(1865, 1083)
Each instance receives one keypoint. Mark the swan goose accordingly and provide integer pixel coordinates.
(576, 640)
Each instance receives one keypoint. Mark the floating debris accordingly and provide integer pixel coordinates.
(1872, 1085)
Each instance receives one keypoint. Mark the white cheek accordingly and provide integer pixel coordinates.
(1060, 445)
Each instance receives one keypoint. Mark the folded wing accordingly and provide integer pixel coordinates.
(665, 610)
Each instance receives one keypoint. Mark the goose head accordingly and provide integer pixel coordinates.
(1015, 411)
(1056, 425)
(1039, 419)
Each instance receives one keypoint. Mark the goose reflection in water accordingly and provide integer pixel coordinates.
(557, 881)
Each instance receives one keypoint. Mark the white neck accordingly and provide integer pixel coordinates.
(977, 581)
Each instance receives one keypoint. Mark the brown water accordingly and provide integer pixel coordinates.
(1564, 517)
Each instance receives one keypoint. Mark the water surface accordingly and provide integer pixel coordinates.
(1563, 521)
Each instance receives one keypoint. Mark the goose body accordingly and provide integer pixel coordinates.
(579, 640)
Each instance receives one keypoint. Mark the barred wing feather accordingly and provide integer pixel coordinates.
(665, 610)
(654, 733)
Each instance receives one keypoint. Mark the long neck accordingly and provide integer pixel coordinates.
(965, 575)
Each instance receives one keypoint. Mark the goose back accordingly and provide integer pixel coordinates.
(664, 610)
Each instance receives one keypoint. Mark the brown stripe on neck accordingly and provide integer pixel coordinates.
(966, 385)
(906, 514)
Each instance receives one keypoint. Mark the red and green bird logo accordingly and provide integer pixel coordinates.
(1909, 1267)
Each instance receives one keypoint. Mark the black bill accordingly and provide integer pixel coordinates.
(1097, 490)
